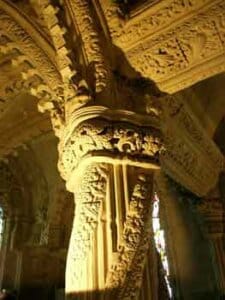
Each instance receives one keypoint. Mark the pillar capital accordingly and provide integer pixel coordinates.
(98, 134)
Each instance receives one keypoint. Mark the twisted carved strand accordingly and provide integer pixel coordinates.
(126, 274)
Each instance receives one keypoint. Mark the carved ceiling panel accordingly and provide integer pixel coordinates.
(175, 43)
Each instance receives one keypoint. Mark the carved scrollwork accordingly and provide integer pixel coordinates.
(100, 137)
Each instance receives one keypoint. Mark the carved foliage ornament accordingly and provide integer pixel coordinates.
(100, 137)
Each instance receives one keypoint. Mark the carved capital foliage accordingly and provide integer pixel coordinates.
(97, 147)
(107, 140)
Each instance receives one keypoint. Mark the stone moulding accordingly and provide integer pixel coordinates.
(82, 18)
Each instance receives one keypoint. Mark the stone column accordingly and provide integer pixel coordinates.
(212, 211)
(108, 160)
(191, 257)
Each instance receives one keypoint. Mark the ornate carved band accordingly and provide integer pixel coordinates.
(106, 141)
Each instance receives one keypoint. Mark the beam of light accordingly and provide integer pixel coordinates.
(160, 243)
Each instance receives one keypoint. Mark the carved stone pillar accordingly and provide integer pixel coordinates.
(108, 159)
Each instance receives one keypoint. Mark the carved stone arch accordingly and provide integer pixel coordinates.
(32, 55)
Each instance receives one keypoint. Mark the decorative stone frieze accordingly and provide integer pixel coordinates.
(175, 43)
